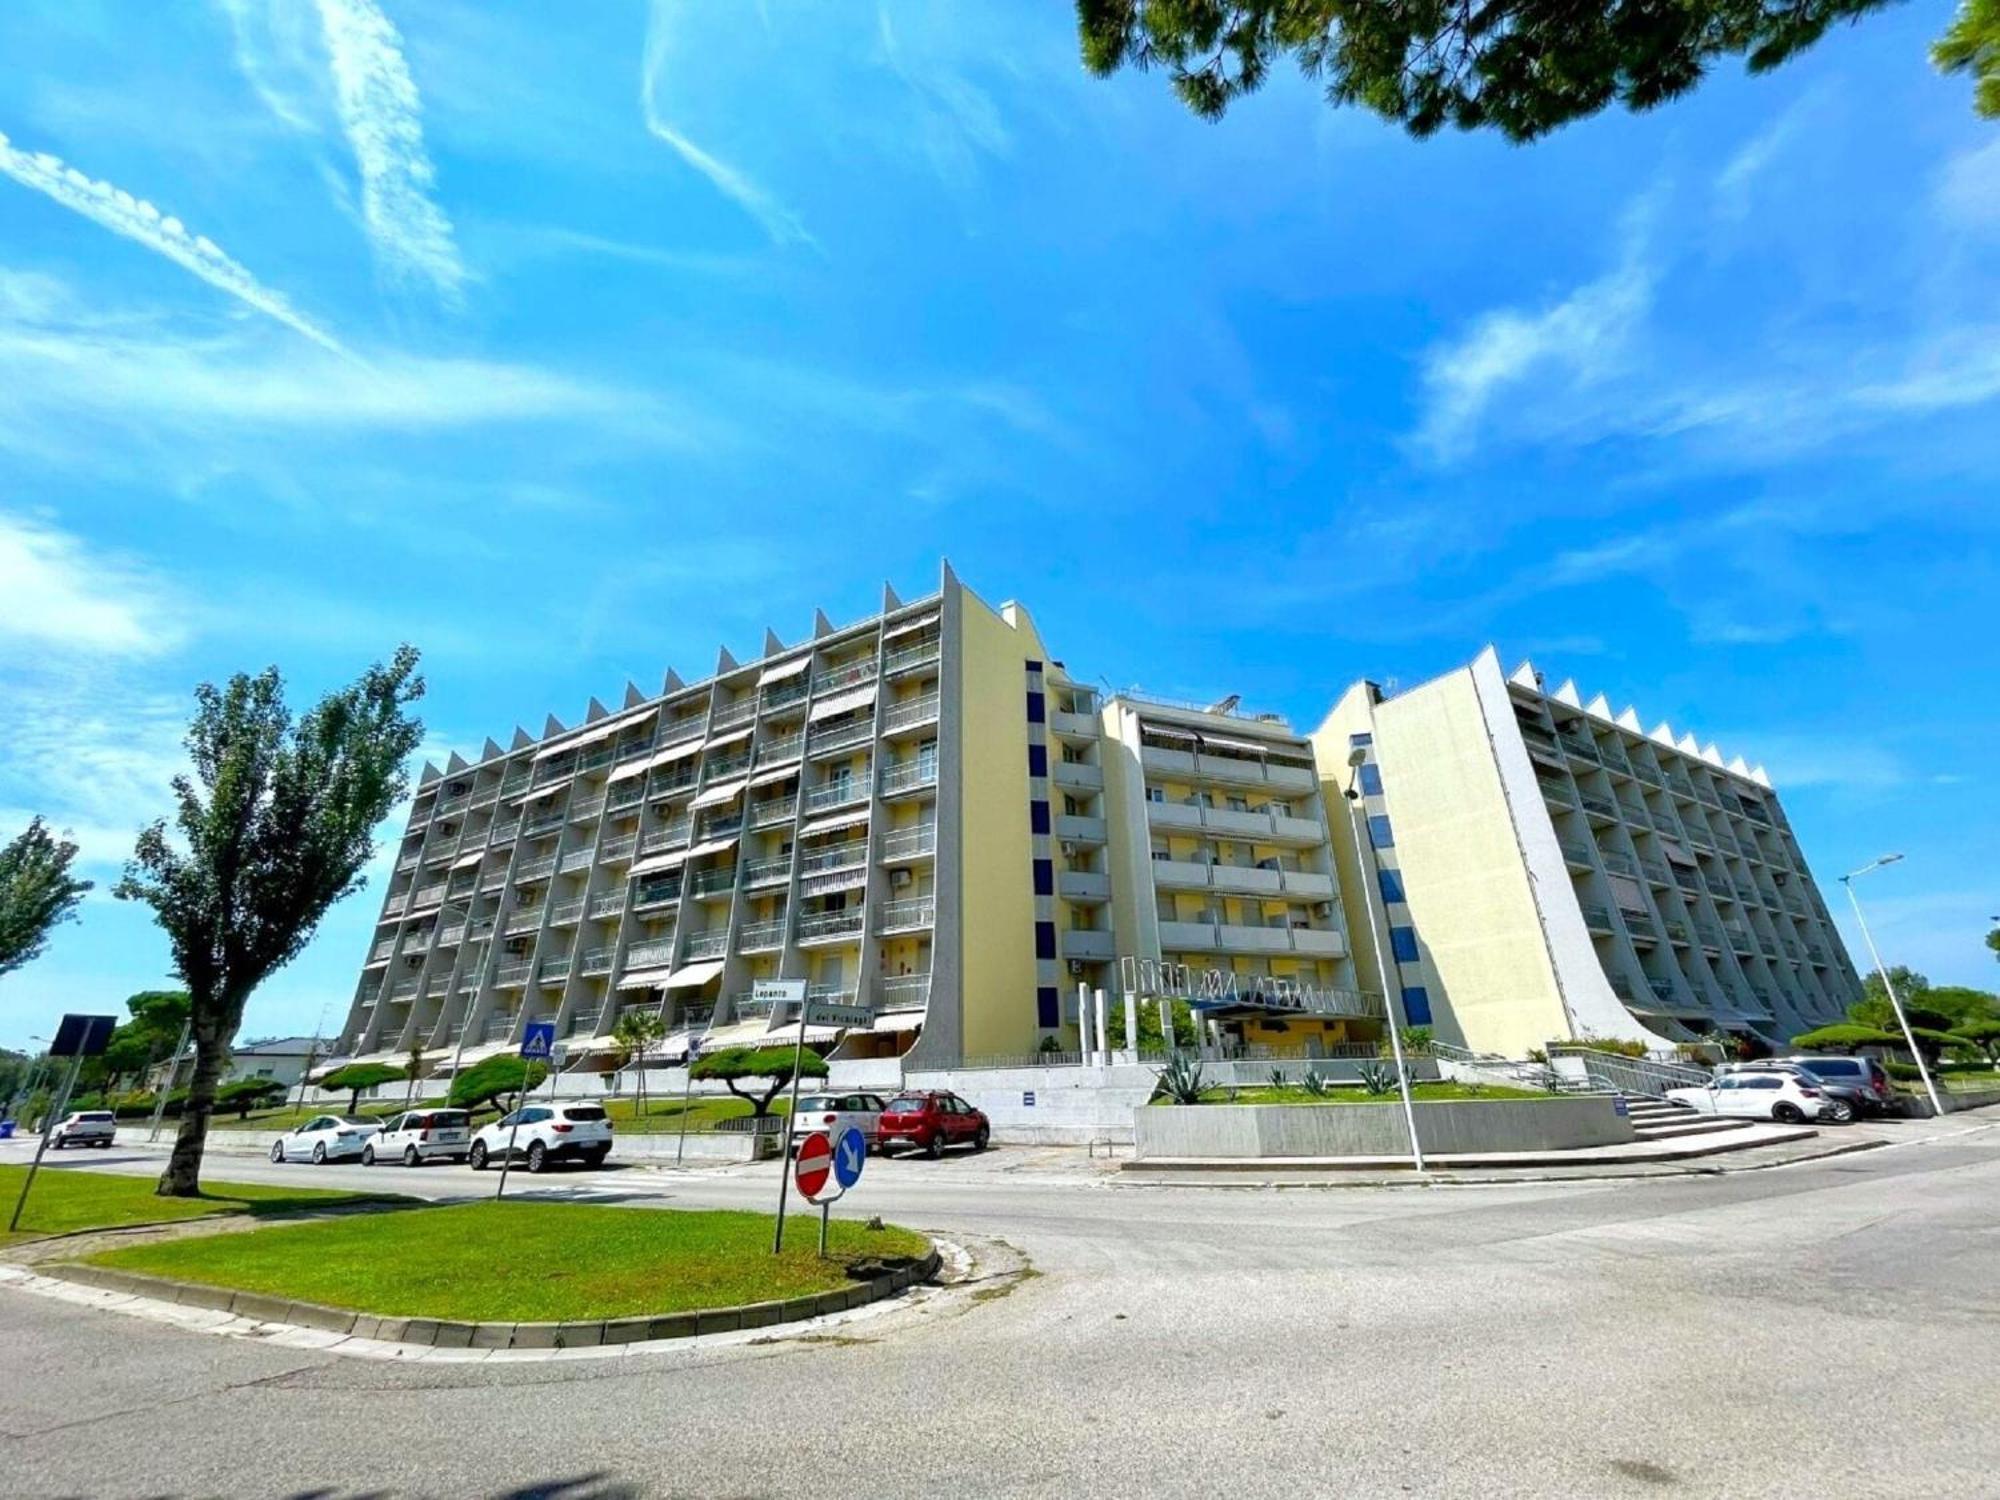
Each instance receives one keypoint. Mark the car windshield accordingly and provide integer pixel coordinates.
(583, 1112)
(818, 1101)
(95, 1116)
(1834, 1068)
(446, 1118)
(906, 1107)
(359, 1120)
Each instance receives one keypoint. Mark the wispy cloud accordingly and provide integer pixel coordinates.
(382, 114)
(1736, 183)
(57, 594)
(141, 222)
(778, 222)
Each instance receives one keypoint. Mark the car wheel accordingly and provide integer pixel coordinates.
(55, 1143)
(1840, 1111)
(367, 1156)
(934, 1147)
(410, 1157)
(980, 1138)
(278, 1152)
(538, 1158)
(477, 1160)
(1789, 1114)
(595, 1159)
(319, 1154)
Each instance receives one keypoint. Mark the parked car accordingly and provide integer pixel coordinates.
(836, 1113)
(1844, 1100)
(1770, 1095)
(930, 1121)
(549, 1133)
(1866, 1076)
(87, 1127)
(325, 1138)
(421, 1135)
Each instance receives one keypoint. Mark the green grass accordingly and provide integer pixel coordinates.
(663, 1115)
(1422, 1093)
(524, 1262)
(67, 1199)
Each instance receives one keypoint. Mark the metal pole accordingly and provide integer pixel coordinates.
(173, 1072)
(1391, 999)
(687, 1100)
(825, 1207)
(1895, 1004)
(48, 1129)
(791, 1123)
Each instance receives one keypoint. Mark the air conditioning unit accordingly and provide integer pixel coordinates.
(1323, 909)
(1076, 966)
(900, 878)
(1068, 847)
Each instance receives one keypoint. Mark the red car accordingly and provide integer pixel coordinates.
(931, 1122)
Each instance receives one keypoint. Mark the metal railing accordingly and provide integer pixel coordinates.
(909, 776)
(1618, 1074)
(910, 711)
(837, 794)
(908, 843)
(906, 916)
(829, 924)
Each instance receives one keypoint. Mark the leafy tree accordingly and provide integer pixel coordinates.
(1911, 987)
(1963, 1003)
(155, 1027)
(636, 1031)
(37, 892)
(274, 826)
(246, 1094)
(1993, 941)
(1845, 1036)
(485, 1082)
(1972, 45)
(413, 1069)
(358, 1076)
(1522, 67)
(1881, 1014)
(1985, 1035)
(732, 1065)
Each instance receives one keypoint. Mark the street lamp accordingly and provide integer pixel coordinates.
(1895, 1004)
(1391, 994)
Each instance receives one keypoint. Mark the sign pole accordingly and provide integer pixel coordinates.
(173, 1072)
(791, 1123)
(537, 1045)
(48, 1129)
(825, 1208)
(687, 1098)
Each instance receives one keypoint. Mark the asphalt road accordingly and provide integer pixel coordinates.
(1822, 1329)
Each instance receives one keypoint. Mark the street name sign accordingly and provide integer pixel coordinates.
(832, 1013)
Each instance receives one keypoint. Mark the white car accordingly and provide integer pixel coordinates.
(549, 1133)
(87, 1127)
(325, 1138)
(833, 1114)
(1759, 1096)
(419, 1136)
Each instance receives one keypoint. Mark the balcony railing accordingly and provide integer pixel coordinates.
(829, 924)
(680, 731)
(834, 857)
(773, 810)
(907, 916)
(908, 776)
(787, 747)
(608, 905)
(707, 945)
(503, 833)
(514, 973)
(909, 843)
(708, 882)
(1655, 872)
(657, 893)
(583, 1023)
(599, 960)
(836, 794)
(671, 837)
(648, 954)
(1581, 745)
(1598, 807)
(840, 736)
(589, 807)
(836, 678)
(429, 895)
(619, 849)
(564, 913)
(716, 767)
(525, 920)
(536, 869)
(721, 825)
(915, 655)
(784, 695)
(731, 714)
(902, 991)
(554, 970)
(626, 794)
(759, 936)
(499, 1027)
(576, 859)
(1621, 864)
(1597, 918)
(1558, 794)
(910, 711)
(668, 786)
(768, 871)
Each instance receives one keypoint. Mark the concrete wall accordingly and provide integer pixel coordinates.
(1333, 1069)
(1280, 1130)
(1072, 1105)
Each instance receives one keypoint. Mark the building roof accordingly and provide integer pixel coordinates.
(281, 1046)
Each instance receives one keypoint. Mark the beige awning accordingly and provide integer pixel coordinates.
(671, 1049)
(724, 741)
(1224, 742)
(658, 862)
(693, 976)
(713, 846)
(765, 778)
(900, 1020)
(645, 979)
(835, 823)
(599, 1045)
(468, 859)
(1676, 853)
(602, 731)
(814, 1034)
(909, 626)
(641, 767)
(715, 796)
(738, 1034)
(785, 670)
(538, 792)
(842, 702)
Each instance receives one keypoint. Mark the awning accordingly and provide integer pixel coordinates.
(671, 1049)
(535, 792)
(659, 862)
(840, 703)
(908, 626)
(332, 1064)
(713, 846)
(738, 1034)
(785, 670)
(644, 979)
(468, 859)
(483, 1051)
(724, 741)
(765, 778)
(715, 796)
(900, 1020)
(814, 1034)
(1676, 853)
(598, 1045)
(641, 767)
(835, 823)
(1223, 742)
(693, 976)
(602, 731)
(1169, 732)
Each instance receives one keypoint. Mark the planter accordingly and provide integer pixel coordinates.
(1317, 1130)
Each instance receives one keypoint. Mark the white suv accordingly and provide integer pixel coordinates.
(1771, 1095)
(549, 1133)
(419, 1136)
(87, 1127)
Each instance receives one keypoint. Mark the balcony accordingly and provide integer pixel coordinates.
(835, 678)
(430, 895)
(1076, 775)
(553, 970)
(784, 695)
(1320, 942)
(1599, 809)
(1655, 872)
(707, 945)
(764, 872)
(653, 953)
(598, 961)
(719, 881)
(909, 776)
(516, 779)
(719, 768)
(407, 862)
(513, 975)
(583, 1023)
(1557, 795)
(901, 844)
(1245, 939)
(908, 658)
(731, 714)
(761, 937)
(449, 937)
(1580, 745)
(1090, 944)
(1083, 885)
(671, 786)
(526, 919)
(1620, 864)
(1663, 989)
(721, 825)
(679, 731)
(588, 807)
(576, 859)
(910, 713)
(381, 951)
(840, 736)
(499, 1028)
(503, 833)
(626, 794)
(1677, 932)
(902, 991)
(1080, 830)
(402, 991)
(672, 836)
(908, 916)
(617, 851)
(542, 827)
(656, 893)
(834, 794)
(1576, 856)
(778, 751)
(565, 913)
(536, 869)
(1598, 919)
(1073, 726)
(830, 926)
(773, 810)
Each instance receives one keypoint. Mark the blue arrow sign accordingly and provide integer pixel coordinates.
(538, 1041)
(850, 1152)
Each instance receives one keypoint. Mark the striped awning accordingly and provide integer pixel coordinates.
(842, 702)
(785, 670)
(693, 976)
(645, 979)
(835, 823)
(738, 1034)
(658, 862)
(900, 1020)
(715, 796)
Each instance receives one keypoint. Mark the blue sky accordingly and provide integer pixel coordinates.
(571, 344)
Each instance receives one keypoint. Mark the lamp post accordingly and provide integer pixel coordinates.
(1391, 993)
(1895, 1003)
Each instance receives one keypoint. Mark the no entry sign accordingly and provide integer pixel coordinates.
(815, 1166)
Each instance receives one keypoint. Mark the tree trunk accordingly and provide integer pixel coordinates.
(182, 1179)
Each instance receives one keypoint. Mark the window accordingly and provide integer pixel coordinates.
(1416, 1005)
(1371, 779)
(1403, 943)
(1038, 815)
(1045, 878)
(1038, 760)
(1392, 885)
(1073, 807)
(1037, 709)
(1034, 666)
(1379, 833)
(1156, 794)
(1045, 940)
(1356, 741)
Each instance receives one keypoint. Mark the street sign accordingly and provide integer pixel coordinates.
(82, 1036)
(1027, 1098)
(775, 994)
(538, 1041)
(850, 1154)
(815, 1165)
(831, 1013)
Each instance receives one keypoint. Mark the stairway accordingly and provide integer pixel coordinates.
(1659, 1120)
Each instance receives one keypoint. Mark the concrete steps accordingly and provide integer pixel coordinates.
(1659, 1120)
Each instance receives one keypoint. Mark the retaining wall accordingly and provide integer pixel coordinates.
(1072, 1105)
(1272, 1130)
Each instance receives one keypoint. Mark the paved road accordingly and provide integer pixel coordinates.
(1823, 1329)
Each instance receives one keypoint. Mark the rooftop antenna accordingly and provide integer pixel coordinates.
(1224, 705)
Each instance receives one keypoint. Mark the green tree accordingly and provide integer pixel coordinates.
(246, 1094)
(37, 892)
(505, 1075)
(734, 1065)
(274, 826)
(1522, 67)
(1962, 1003)
(636, 1031)
(1985, 1035)
(1911, 987)
(1972, 45)
(150, 1036)
(1993, 941)
(413, 1069)
(1845, 1036)
(358, 1076)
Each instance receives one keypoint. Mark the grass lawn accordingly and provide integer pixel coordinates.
(703, 1111)
(68, 1198)
(1422, 1093)
(524, 1262)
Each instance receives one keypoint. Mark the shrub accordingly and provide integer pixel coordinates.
(1417, 1040)
(1180, 1079)
(733, 1065)
(1314, 1085)
(358, 1076)
(1617, 1045)
(1379, 1078)
(1278, 1079)
(245, 1094)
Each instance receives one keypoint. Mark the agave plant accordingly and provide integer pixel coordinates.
(1278, 1078)
(1379, 1077)
(1313, 1084)
(1181, 1079)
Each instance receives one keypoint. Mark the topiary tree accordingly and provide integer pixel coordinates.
(1985, 1035)
(732, 1065)
(246, 1094)
(1845, 1036)
(485, 1082)
(358, 1076)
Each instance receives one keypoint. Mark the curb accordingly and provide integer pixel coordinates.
(263, 1308)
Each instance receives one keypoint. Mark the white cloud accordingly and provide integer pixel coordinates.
(55, 593)
(1737, 181)
(137, 220)
(1968, 189)
(382, 114)
(779, 222)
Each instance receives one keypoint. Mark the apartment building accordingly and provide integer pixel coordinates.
(1548, 869)
(922, 814)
